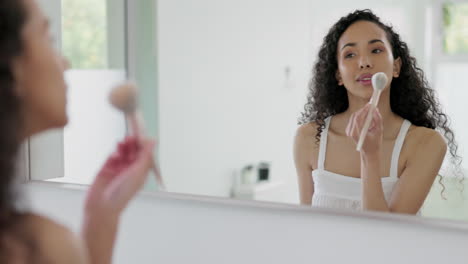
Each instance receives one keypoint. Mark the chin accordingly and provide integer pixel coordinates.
(63, 122)
(367, 95)
(59, 122)
(63, 117)
(362, 95)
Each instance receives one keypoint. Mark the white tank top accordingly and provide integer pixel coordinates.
(334, 190)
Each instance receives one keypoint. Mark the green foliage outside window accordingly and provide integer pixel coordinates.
(84, 38)
(455, 18)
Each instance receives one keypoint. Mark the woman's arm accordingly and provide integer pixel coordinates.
(99, 234)
(121, 177)
(373, 197)
(420, 172)
(416, 179)
(303, 154)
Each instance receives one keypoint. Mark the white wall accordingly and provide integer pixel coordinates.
(159, 229)
(223, 98)
(222, 95)
(451, 85)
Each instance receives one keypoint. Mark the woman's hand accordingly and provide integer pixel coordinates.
(373, 141)
(122, 176)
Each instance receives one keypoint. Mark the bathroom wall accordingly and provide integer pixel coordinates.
(224, 96)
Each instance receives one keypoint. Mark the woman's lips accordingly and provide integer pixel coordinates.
(365, 79)
(365, 82)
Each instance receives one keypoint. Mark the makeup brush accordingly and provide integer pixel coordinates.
(124, 98)
(379, 81)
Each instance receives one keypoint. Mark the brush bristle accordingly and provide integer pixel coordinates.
(379, 81)
(124, 97)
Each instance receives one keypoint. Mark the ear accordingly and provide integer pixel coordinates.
(396, 67)
(338, 78)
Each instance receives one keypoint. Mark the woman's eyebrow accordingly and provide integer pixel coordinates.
(352, 44)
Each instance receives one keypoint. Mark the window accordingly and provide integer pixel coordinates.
(455, 28)
(84, 33)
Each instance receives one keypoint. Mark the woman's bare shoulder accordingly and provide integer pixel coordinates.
(418, 136)
(306, 145)
(307, 131)
(422, 139)
(55, 242)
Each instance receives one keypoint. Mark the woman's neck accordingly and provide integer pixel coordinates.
(356, 103)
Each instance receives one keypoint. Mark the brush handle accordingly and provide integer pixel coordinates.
(138, 129)
(157, 174)
(374, 101)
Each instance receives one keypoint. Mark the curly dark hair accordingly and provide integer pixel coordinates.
(14, 238)
(410, 94)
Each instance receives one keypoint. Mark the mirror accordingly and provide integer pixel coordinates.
(223, 84)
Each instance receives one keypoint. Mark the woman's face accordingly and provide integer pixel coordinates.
(364, 50)
(39, 75)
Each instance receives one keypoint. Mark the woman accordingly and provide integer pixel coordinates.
(32, 100)
(402, 152)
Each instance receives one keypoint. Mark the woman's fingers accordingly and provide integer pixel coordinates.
(356, 130)
(350, 125)
(125, 186)
(377, 124)
(122, 176)
(362, 115)
(356, 122)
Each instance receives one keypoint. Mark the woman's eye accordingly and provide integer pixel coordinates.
(349, 55)
(377, 51)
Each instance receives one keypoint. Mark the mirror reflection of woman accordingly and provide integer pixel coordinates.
(32, 100)
(402, 152)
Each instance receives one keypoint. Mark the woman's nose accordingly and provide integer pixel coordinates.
(365, 63)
